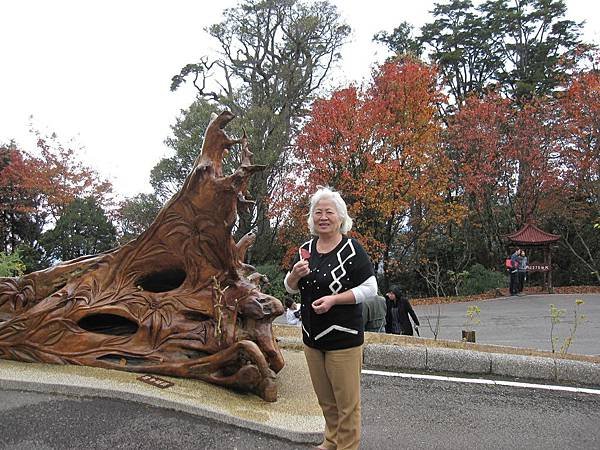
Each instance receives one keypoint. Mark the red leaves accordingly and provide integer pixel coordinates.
(579, 127)
(380, 148)
(521, 156)
(47, 181)
(304, 254)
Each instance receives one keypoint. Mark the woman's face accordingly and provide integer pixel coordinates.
(326, 218)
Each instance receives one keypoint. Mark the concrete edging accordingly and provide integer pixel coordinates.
(388, 356)
(434, 359)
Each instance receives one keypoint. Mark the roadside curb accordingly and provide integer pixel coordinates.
(393, 357)
(176, 405)
(393, 352)
(296, 416)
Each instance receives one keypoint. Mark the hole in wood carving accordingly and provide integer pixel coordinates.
(165, 280)
(126, 360)
(196, 316)
(58, 287)
(108, 324)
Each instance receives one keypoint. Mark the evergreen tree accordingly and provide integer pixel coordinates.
(136, 214)
(82, 229)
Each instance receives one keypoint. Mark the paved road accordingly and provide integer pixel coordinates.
(517, 321)
(520, 321)
(397, 413)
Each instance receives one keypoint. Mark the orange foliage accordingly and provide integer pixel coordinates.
(380, 148)
(47, 181)
(506, 156)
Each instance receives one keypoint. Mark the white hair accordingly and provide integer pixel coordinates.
(340, 206)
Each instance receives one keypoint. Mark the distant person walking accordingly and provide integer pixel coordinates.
(398, 310)
(374, 312)
(522, 270)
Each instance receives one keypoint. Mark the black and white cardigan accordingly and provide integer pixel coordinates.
(345, 267)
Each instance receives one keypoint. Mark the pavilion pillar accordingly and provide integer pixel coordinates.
(550, 289)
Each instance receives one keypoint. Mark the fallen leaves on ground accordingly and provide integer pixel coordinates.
(499, 293)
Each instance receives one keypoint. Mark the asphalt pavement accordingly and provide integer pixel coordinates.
(519, 321)
(397, 413)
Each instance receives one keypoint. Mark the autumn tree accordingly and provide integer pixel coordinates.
(506, 166)
(16, 199)
(35, 187)
(275, 57)
(380, 148)
(579, 132)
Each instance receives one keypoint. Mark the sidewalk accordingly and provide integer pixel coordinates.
(295, 415)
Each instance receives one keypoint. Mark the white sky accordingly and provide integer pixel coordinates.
(98, 72)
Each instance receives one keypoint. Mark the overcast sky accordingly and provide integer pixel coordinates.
(98, 72)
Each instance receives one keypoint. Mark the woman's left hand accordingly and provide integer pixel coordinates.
(324, 304)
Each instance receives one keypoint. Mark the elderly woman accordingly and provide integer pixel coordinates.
(333, 275)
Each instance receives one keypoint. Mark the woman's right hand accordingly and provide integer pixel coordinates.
(300, 269)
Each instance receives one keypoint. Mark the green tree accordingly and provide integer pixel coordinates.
(82, 229)
(135, 215)
(168, 175)
(537, 44)
(11, 265)
(401, 40)
(464, 46)
(276, 55)
(526, 47)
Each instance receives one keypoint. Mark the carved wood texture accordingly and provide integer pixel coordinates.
(177, 300)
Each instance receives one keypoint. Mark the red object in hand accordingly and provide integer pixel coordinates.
(304, 254)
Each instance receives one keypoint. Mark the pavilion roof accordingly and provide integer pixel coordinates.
(530, 234)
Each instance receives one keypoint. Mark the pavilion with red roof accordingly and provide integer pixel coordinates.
(531, 236)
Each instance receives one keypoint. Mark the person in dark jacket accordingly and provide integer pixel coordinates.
(398, 310)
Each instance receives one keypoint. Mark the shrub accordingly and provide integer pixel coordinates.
(482, 280)
(275, 276)
(11, 265)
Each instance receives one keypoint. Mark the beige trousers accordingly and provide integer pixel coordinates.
(335, 376)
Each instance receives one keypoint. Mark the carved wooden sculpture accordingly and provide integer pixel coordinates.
(177, 300)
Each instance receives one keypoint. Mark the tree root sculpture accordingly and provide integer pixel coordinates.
(178, 300)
